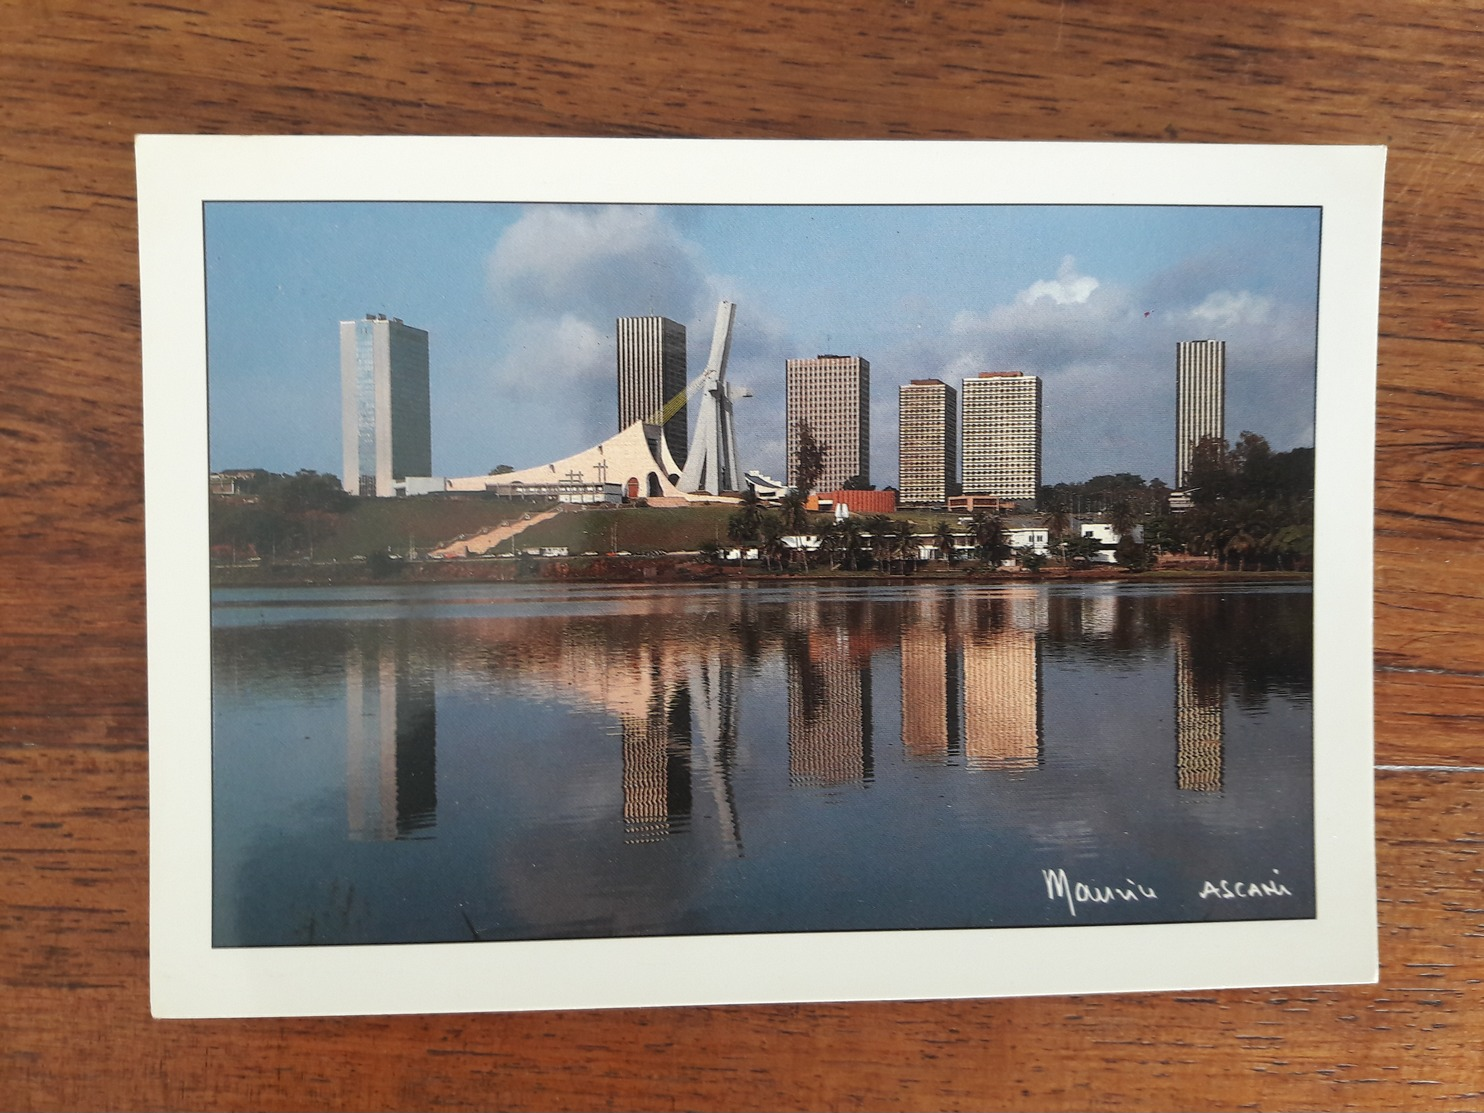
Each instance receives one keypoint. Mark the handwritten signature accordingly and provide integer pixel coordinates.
(1240, 890)
(1061, 887)
(1058, 885)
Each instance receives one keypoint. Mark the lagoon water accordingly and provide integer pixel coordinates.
(513, 761)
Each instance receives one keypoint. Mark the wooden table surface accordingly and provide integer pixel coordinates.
(80, 79)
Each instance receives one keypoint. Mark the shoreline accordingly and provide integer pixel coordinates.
(678, 571)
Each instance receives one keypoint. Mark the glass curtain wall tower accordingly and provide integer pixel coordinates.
(385, 416)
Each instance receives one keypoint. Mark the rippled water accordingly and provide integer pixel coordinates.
(537, 761)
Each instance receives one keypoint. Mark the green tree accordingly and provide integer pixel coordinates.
(1030, 559)
(1123, 518)
(1131, 554)
(879, 528)
(809, 456)
(1082, 549)
(744, 528)
(944, 541)
(306, 491)
(501, 469)
(1056, 516)
(795, 517)
(904, 545)
(990, 538)
(771, 547)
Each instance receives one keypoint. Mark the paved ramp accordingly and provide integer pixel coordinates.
(490, 539)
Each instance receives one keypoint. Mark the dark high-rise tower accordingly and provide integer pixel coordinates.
(651, 371)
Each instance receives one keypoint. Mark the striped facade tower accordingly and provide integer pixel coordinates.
(1200, 399)
(1002, 435)
(833, 394)
(651, 371)
(927, 442)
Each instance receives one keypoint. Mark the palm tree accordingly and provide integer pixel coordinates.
(832, 544)
(743, 530)
(1057, 519)
(944, 541)
(989, 537)
(850, 531)
(795, 517)
(878, 526)
(772, 547)
(904, 541)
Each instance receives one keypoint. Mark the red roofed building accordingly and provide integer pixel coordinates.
(863, 502)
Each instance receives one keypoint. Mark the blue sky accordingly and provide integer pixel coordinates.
(520, 300)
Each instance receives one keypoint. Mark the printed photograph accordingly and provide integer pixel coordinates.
(615, 570)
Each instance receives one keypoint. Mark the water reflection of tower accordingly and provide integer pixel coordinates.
(932, 660)
(391, 781)
(656, 765)
(1002, 684)
(1199, 741)
(829, 705)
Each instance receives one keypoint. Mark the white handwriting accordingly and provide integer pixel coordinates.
(1234, 890)
(1059, 886)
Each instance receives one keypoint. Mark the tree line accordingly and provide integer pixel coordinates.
(275, 514)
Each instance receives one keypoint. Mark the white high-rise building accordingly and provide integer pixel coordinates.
(651, 371)
(833, 394)
(1200, 399)
(927, 442)
(1002, 435)
(385, 416)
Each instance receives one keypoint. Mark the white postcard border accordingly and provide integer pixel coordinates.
(189, 978)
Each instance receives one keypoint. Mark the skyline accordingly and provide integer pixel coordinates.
(521, 301)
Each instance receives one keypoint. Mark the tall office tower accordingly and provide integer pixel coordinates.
(385, 422)
(833, 394)
(651, 371)
(1002, 435)
(927, 442)
(1200, 399)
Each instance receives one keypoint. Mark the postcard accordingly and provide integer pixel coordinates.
(595, 573)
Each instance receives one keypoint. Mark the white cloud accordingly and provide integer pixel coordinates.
(1067, 288)
(1225, 309)
(597, 262)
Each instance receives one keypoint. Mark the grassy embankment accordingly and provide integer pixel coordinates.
(395, 525)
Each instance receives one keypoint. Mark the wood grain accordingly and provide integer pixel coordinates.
(79, 80)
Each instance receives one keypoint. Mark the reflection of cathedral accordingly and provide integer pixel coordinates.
(391, 782)
(829, 710)
(1199, 743)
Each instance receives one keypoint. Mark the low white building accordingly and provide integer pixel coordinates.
(1106, 537)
